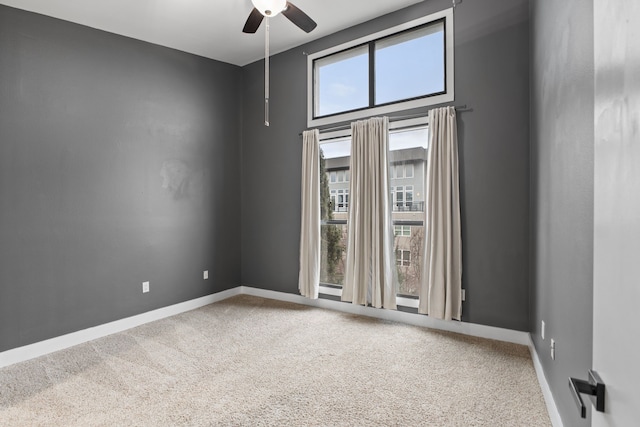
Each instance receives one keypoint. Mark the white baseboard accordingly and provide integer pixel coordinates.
(556, 421)
(62, 342)
(482, 331)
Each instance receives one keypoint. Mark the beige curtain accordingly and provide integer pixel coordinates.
(370, 270)
(309, 277)
(441, 288)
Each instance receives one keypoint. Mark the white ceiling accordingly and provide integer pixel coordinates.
(209, 28)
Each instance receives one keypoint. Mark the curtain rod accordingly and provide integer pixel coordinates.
(459, 108)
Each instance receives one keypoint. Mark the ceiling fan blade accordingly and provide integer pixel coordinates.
(299, 18)
(253, 21)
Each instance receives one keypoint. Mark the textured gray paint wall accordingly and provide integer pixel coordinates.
(492, 77)
(119, 163)
(562, 148)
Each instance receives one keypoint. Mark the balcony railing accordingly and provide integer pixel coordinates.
(397, 207)
(408, 207)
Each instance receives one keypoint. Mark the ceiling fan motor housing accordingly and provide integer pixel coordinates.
(270, 8)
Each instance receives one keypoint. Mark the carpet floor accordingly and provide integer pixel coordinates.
(249, 361)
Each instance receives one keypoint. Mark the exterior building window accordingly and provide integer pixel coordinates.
(401, 171)
(402, 230)
(408, 196)
(343, 201)
(404, 67)
(333, 178)
(403, 258)
(402, 198)
(399, 197)
(408, 170)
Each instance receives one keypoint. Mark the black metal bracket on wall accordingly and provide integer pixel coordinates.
(593, 387)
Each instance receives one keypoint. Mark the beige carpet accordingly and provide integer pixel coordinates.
(256, 362)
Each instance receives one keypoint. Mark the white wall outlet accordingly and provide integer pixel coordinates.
(205, 274)
(542, 329)
(553, 349)
(145, 287)
(464, 295)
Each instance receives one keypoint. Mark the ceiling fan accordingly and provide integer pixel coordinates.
(268, 9)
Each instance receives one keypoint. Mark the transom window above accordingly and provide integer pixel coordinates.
(404, 67)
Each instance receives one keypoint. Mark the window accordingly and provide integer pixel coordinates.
(402, 230)
(342, 81)
(407, 150)
(403, 258)
(398, 198)
(408, 196)
(408, 171)
(343, 201)
(404, 67)
(402, 198)
(333, 177)
(403, 61)
(399, 171)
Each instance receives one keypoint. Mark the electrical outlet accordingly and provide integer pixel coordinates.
(145, 287)
(542, 330)
(205, 275)
(464, 295)
(553, 349)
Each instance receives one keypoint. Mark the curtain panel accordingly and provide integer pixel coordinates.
(370, 276)
(441, 287)
(309, 276)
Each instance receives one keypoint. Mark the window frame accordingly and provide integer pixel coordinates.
(448, 96)
(400, 261)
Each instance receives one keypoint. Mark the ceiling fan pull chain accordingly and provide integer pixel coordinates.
(266, 73)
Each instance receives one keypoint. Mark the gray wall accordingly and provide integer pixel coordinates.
(119, 163)
(492, 77)
(562, 148)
